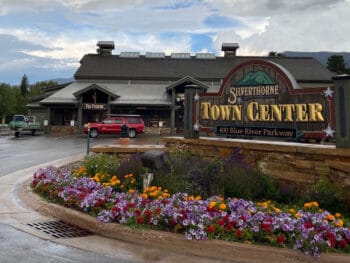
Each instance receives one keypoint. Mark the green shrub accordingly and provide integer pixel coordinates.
(329, 196)
(190, 173)
(101, 163)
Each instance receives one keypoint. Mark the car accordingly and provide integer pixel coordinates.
(113, 125)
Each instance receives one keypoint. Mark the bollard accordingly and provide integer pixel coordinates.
(124, 135)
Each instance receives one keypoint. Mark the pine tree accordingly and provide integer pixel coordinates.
(24, 88)
(336, 64)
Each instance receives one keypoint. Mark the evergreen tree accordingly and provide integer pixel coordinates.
(7, 101)
(336, 64)
(24, 86)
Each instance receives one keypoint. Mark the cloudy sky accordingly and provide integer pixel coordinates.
(45, 39)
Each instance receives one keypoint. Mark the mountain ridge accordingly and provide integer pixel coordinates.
(321, 56)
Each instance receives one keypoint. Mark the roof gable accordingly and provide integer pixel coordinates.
(95, 87)
(187, 80)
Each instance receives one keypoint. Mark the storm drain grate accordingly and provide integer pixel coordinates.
(60, 229)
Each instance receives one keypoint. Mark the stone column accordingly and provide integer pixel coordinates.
(342, 110)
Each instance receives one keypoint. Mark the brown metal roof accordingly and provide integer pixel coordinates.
(115, 67)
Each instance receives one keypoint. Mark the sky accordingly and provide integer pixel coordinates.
(45, 39)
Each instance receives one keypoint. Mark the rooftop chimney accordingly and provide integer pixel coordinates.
(229, 49)
(105, 47)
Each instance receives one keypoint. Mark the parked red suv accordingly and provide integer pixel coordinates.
(113, 125)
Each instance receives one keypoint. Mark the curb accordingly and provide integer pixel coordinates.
(216, 250)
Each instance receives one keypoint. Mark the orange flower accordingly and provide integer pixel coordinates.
(292, 211)
(144, 196)
(197, 198)
(330, 217)
(212, 204)
(337, 215)
(222, 207)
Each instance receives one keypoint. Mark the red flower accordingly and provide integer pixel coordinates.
(148, 214)
(238, 232)
(342, 243)
(281, 239)
(308, 224)
(211, 229)
(221, 222)
(140, 220)
(229, 227)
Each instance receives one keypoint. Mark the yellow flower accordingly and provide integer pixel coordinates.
(277, 210)
(222, 207)
(339, 223)
(292, 211)
(131, 191)
(297, 215)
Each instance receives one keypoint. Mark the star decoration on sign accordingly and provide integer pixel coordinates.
(329, 131)
(328, 92)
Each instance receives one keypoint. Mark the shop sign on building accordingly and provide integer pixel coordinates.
(260, 98)
(94, 106)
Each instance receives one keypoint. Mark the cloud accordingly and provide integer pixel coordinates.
(57, 33)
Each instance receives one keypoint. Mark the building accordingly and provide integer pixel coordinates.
(152, 85)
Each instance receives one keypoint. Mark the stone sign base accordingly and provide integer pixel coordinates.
(293, 164)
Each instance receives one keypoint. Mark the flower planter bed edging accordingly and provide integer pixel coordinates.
(165, 241)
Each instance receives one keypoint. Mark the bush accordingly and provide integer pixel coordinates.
(101, 163)
(328, 195)
(188, 172)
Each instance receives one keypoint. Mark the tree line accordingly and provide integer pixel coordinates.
(14, 98)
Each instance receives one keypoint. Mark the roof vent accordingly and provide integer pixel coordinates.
(155, 55)
(130, 54)
(181, 55)
(229, 49)
(205, 56)
(105, 47)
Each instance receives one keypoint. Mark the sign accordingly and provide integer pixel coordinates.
(94, 106)
(234, 131)
(261, 98)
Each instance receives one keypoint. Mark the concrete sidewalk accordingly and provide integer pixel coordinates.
(19, 206)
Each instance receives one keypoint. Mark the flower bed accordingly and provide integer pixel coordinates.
(309, 229)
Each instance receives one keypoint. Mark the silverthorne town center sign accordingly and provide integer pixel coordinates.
(261, 98)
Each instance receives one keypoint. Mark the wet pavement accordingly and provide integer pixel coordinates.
(26, 151)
